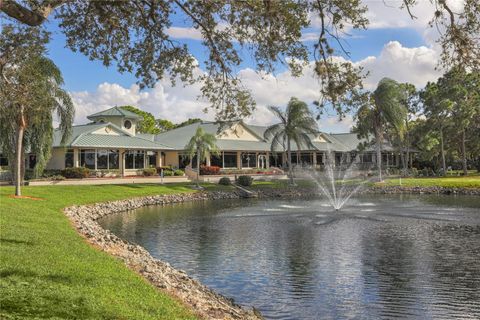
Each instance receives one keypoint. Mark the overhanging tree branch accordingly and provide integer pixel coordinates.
(29, 17)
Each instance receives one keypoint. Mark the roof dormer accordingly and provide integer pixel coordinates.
(120, 117)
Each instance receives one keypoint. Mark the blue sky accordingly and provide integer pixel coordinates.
(82, 74)
(393, 46)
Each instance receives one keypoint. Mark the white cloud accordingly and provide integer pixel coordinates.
(184, 33)
(414, 65)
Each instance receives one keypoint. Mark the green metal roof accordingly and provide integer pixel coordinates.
(83, 136)
(178, 138)
(115, 112)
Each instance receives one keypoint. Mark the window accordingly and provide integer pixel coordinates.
(127, 124)
(102, 159)
(135, 159)
(139, 159)
(319, 158)
(87, 158)
(113, 162)
(151, 159)
(216, 161)
(3, 160)
(275, 160)
(294, 156)
(69, 158)
(183, 160)
(230, 160)
(32, 161)
(249, 160)
(129, 155)
(306, 158)
(366, 158)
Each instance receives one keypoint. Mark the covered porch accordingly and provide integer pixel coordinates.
(123, 162)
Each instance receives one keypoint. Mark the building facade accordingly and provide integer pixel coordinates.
(110, 143)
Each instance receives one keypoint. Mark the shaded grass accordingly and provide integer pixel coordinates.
(48, 271)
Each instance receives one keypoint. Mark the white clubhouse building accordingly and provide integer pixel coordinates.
(110, 142)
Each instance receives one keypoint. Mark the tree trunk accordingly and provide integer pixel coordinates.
(198, 167)
(18, 152)
(289, 161)
(464, 154)
(442, 149)
(379, 154)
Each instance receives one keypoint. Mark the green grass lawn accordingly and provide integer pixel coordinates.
(449, 182)
(48, 271)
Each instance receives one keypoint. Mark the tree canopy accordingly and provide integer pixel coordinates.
(295, 124)
(148, 124)
(30, 93)
(135, 36)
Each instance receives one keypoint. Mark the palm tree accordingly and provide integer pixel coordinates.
(201, 144)
(30, 96)
(384, 107)
(296, 123)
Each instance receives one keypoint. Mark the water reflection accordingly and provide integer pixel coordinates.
(381, 257)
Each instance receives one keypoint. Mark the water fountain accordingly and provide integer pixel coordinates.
(339, 180)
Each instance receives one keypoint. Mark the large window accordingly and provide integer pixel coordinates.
(366, 158)
(87, 158)
(216, 161)
(3, 160)
(275, 160)
(230, 160)
(249, 160)
(69, 158)
(183, 160)
(151, 159)
(102, 159)
(294, 156)
(135, 159)
(306, 158)
(319, 158)
(113, 157)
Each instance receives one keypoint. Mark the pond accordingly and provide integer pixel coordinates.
(415, 257)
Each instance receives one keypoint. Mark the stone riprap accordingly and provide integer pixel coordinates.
(203, 301)
(423, 190)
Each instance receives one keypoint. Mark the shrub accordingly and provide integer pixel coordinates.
(76, 173)
(159, 169)
(225, 181)
(57, 178)
(51, 172)
(209, 170)
(425, 172)
(167, 173)
(178, 172)
(245, 181)
(148, 172)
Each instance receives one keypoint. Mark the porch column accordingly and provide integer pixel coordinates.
(208, 159)
(267, 160)
(76, 158)
(121, 159)
(239, 160)
(256, 160)
(314, 160)
(158, 162)
(324, 158)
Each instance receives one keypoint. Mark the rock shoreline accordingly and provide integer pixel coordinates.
(203, 301)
